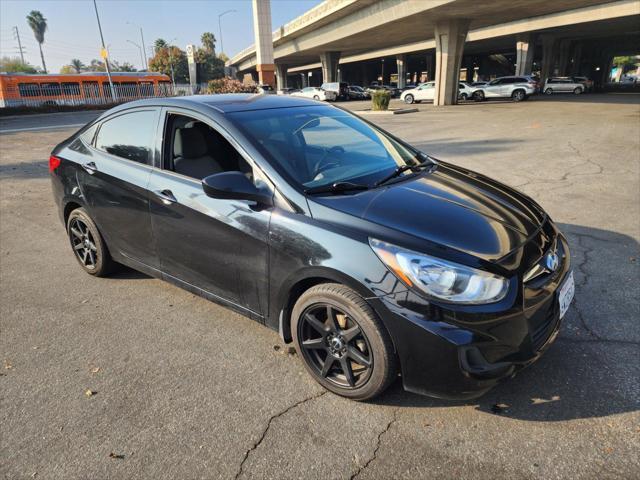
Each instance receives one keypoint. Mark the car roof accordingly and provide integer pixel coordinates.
(223, 103)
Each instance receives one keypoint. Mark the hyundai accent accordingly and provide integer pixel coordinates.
(375, 259)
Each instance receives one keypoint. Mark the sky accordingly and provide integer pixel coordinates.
(73, 31)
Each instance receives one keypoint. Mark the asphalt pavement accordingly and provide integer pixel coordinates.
(130, 377)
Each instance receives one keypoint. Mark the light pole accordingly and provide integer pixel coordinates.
(145, 64)
(220, 27)
(139, 48)
(106, 58)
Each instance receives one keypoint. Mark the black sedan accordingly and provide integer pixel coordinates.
(374, 258)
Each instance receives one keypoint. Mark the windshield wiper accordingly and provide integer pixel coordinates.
(400, 170)
(336, 187)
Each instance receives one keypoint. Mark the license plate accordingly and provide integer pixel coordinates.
(567, 290)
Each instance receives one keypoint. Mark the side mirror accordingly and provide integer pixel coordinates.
(234, 185)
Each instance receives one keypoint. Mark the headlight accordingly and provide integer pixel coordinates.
(439, 278)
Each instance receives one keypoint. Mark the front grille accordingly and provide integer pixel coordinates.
(538, 276)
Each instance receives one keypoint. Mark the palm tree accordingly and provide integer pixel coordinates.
(159, 44)
(208, 40)
(77, 65)
(39, 25)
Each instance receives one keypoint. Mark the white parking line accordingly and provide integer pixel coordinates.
(32, 129)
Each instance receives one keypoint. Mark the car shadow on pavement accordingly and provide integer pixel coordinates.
(592, 369)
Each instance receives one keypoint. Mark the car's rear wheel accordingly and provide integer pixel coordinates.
(548, 91)
(518, 95)
(478, 96)
(408, 98)
(577, 90)
(343, 344)
(316, 97)
(87, 244)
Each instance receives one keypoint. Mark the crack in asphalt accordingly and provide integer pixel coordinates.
(266, 430)
(582, 267)
(378, 444)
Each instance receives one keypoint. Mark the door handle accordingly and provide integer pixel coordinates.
(90, 167)
(166, 196)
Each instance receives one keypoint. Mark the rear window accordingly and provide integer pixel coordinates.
(130, 136)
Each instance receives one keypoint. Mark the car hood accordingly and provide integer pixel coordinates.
(449, 207)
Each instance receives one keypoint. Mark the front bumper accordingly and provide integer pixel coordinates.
(462, 354)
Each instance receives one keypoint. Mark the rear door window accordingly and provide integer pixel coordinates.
(130, 136)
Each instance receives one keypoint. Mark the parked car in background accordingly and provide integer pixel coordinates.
(587, 82)
(356, 92)
(286, 91)
(422, 92)
(516, 88)
(341, 89)
(375, 259)
(316, 93)
(395, 92)
(265, 89)
(465, 91)
(563, 85)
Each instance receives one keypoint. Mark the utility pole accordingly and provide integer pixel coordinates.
(141, 51)
(146, 64)
(16, 35)
(220, 28)
(106, 58)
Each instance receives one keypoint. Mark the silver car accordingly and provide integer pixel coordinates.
(563, 85)
(516, 88)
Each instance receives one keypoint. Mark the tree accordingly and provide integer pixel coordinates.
(38, 24)
(77, 65)
(125, 67)
(96, 66)
(159, 44)
(15, 65)
(168, 56)
(223, 56)
(67, 69)
(208, 40)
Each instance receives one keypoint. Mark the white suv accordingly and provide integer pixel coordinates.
(516, 88)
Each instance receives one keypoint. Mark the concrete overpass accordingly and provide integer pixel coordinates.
(353, 38)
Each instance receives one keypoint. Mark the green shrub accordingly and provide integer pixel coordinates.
(380, 100)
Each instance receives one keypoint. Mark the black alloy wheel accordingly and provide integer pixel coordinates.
(343, 344)
(335, 346)
(87, 244)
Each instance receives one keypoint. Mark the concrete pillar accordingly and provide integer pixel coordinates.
(450, 37)
(281, 75)
(303, 79)
(564, 56)
(263, 41)
(525, 48)
(329, 62)
(549, 48)
(401, 61)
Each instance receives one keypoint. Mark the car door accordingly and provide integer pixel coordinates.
(425, 92)
(493, 88)
(216, 245)
(114, 178)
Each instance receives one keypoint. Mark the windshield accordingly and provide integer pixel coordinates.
(321, 145)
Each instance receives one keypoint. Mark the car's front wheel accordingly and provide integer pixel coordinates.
(408, 98)
(316, 97)
(343, 344)
(577, 90)
(87, 244)
(463, 96)
(548, 91)
(478, 96)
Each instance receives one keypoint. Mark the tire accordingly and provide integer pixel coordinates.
(577, 91)
(464, 97)
(548, 91)
(518, 95)
(478, 96)
(87, 244)
(316, 97)
(335, 341)
(408, 98)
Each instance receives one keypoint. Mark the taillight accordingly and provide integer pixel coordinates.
(54, 162)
